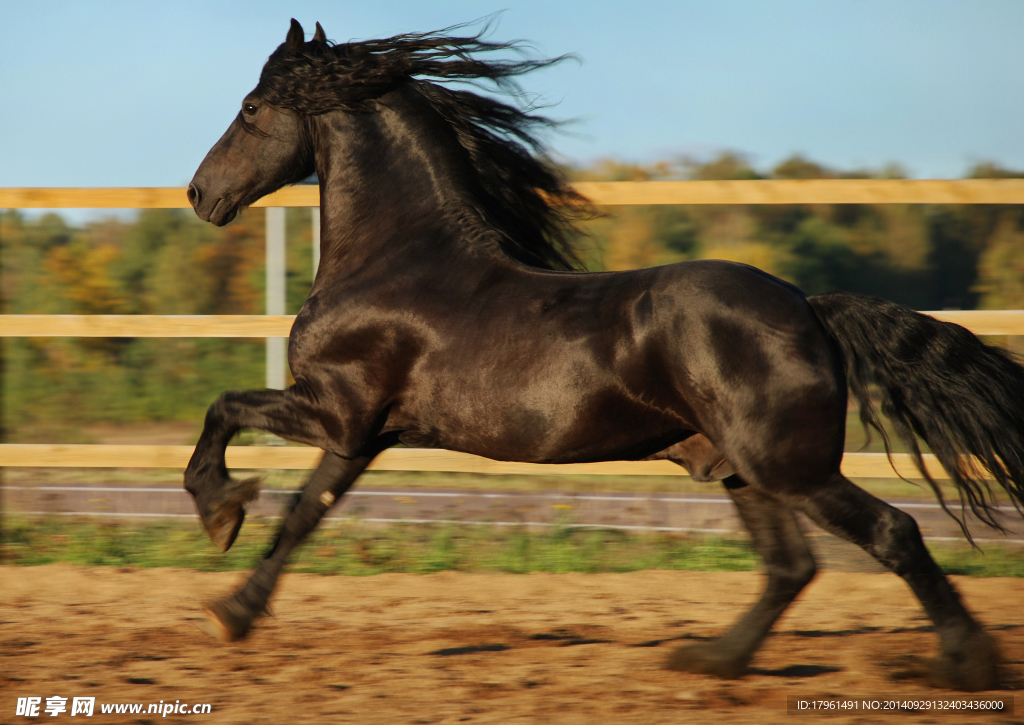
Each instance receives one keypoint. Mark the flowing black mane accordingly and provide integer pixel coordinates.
(519, 191)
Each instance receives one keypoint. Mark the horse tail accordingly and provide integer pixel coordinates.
(938, 383)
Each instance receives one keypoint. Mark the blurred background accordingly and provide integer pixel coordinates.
(130, 94)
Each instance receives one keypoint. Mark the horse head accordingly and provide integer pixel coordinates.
(266, 147)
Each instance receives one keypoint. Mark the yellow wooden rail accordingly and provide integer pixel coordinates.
(602, 193)
(145, 325)
(980, 322)
(855, 465)
(817, 191)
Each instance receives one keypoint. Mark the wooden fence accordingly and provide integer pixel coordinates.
(602, 193)
(831, 191)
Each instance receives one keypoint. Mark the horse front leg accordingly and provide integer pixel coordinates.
(220, 499)
(232, 617)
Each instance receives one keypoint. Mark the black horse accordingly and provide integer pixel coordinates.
(448, 312)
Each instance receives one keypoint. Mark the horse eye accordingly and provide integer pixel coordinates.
(248, 109)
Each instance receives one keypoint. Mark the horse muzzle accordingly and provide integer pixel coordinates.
(217, 210)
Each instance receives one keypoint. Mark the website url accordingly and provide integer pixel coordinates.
(162, 708)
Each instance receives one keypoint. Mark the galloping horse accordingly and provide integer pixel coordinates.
(449, 312)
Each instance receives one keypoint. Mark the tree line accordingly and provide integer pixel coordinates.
(929, 257)
(168, 262)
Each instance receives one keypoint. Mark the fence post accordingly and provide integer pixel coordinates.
(4, 346)
(316, 240)
(276, 346)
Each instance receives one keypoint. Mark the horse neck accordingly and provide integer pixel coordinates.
(392, 185)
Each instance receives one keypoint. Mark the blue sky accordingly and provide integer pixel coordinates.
(134, 93)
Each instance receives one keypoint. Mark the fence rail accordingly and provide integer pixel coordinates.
(980, 322)
(602, 193)
(149, 325)
(855, 465)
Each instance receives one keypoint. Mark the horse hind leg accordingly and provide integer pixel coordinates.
(790, 566)
(968, 659)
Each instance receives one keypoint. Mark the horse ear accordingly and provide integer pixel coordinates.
(319, 34)
(296, 36)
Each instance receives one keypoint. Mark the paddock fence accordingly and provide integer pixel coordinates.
(825, 191)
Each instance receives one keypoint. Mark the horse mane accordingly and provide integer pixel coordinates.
(519, 191)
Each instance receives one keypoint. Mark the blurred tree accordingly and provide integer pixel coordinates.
(731, 232)
(1000, 282)
(625, 237)
(82, 275)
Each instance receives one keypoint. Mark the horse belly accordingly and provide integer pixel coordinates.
(548, 424)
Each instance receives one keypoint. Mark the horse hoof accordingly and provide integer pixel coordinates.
(947, 674)
(705, 659)
(222, 516)
(224, 528)
(975, 667)
(227, 619)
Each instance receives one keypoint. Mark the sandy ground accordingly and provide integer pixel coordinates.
(476, 648)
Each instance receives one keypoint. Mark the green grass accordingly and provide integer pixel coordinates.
(989, 561)
(353, 548)
(357, 549)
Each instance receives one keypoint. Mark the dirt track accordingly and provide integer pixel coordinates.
(399, 648)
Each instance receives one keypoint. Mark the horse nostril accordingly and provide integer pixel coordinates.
(194, 195)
